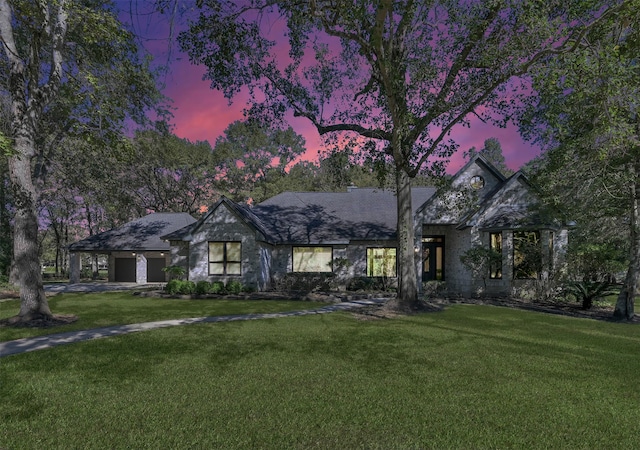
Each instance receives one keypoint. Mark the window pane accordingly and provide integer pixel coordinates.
(233, 269)
(381, 262)
(527, 255)
(234, 251)
(312, 259)
(439, 264)
(495, 269)
(216, 268)
(216, 251)
(496, 242)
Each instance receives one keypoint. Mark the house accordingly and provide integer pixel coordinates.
(353, 235)
(135, 251)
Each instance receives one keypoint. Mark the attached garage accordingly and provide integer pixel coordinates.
(125, 270)
(135, 251)
(155, 270)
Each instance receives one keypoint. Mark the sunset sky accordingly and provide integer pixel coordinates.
(201, 113)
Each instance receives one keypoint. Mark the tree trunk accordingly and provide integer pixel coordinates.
(626, 299)
(33, 302)
(407, 298)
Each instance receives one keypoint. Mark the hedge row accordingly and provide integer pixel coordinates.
(186, 287)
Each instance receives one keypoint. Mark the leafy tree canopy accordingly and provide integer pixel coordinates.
(586, 118)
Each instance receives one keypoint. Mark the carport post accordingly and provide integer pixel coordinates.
(74, 268)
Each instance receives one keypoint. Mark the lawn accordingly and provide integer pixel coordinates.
(118, 308)
(469, 377)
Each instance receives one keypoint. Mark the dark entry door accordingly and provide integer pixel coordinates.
(433, 258)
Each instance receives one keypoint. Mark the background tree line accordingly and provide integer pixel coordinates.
(92, 188)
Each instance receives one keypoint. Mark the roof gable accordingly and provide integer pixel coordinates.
(242, 212)
(474, 183)
(514, 205)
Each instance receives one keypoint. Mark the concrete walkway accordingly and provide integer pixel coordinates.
(97, 286)
(53, 340)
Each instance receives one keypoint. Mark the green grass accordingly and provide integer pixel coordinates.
(470, 377)
(116, 308)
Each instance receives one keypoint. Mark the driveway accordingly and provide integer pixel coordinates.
(96, 286)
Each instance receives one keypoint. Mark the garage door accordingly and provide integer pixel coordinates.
(125, 270)
(155, 274)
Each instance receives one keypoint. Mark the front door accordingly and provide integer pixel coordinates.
(433, 258)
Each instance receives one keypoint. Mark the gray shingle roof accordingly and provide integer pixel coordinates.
(332, 217)
(138, 235)
(321, 217)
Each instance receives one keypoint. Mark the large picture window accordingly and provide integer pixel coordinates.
(381, 262)
(225, 258)
(312, 259)
(527, 254)
(495, 244)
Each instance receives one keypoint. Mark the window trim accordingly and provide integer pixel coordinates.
(225, 261)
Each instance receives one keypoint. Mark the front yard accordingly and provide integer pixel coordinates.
(471, 376)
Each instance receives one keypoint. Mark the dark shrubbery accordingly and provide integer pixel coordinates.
(217, 287)
(186, 287)
(203, 287)
(234, 287)
(370, 284)
(589, 291)
(305, 282)
(180, 287)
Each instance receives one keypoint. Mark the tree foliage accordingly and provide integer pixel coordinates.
(68, 68)
(395, 77)
(479, 260)
(252, 156)
(492, 151)
(165, 173)
(587, 120)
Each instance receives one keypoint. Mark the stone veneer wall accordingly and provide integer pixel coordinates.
(225, 226)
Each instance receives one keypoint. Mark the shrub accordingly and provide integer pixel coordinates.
(175, 272)
(172, 287)
(234, 287)
(306, 282)
(202, 287)
(371, 284)
(216, 287)
(360, 284)
(180, 287)
(187, 287)
(479, 261)
(588, 291)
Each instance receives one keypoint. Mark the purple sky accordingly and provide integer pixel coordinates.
(201, 113)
